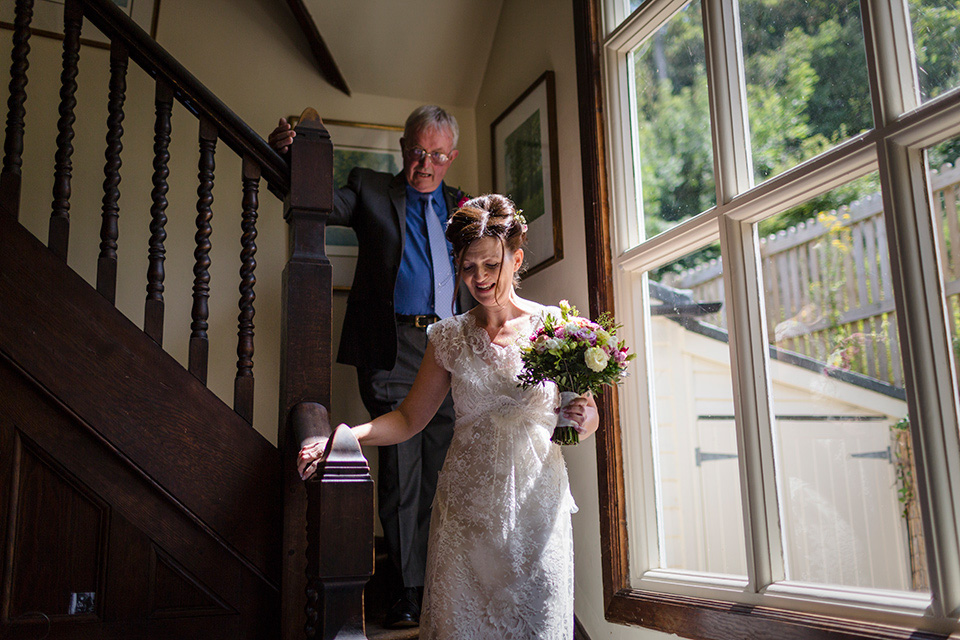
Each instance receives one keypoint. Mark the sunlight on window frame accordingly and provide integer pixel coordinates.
(894, 149)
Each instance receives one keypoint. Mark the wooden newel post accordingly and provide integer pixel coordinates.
(305, 352)
(340, 540)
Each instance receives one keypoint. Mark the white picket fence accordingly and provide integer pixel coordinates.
(827, 283)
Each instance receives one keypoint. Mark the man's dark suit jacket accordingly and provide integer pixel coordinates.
(374, 205)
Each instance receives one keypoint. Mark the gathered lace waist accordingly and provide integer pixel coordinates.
(523, 411)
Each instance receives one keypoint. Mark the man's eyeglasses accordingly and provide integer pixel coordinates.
(417, 154)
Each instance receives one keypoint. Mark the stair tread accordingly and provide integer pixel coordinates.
(376, 632)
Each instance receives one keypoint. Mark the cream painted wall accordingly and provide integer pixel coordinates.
(259, 65)
(533, 36)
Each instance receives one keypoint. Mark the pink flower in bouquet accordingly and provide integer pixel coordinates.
(620, 355)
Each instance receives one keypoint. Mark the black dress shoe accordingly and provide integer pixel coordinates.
(405, 612)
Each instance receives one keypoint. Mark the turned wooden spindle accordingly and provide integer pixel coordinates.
(63, 170)
(153, 309)
(10, 175)
(243, 385)
(199, 343)
(109, 229)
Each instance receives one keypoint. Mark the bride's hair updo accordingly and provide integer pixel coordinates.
(489, 216)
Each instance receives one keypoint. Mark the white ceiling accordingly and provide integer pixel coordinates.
(424, 50)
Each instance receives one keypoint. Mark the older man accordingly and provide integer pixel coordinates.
(403, 283)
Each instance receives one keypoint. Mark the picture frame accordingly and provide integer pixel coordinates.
(526, 169)
(47, 19)
(357, 144)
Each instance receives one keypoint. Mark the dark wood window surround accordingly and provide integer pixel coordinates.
(686, 616)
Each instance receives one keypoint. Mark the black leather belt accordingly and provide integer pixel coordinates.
(420, 322)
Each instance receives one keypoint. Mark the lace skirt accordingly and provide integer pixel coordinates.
(500, 554)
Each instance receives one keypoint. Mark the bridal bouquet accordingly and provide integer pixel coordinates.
(578, 355)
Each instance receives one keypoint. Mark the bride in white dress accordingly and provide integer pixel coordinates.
(500, 554)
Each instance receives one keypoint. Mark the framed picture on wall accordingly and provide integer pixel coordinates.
(525, 168)
(47, 19)
(355, 144)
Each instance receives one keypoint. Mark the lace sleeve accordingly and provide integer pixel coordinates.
(443, 335)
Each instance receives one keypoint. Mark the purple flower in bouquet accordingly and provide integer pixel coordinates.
(578, 355)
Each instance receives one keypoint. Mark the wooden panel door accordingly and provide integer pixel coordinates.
(93, 548)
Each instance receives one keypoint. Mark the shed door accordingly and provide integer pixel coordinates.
(842, 521)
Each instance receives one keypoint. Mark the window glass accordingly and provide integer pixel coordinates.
(843, 455)
(944, 178)
(672, 123)
(806, 75)
(699, 505)
(936, 40)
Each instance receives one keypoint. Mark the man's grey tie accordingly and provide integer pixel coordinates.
(442, 271)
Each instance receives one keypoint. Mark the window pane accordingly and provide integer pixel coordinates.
(695, 444)
(936, 40)
(672, 124)
(806, 75)
(844, 468)
(944, 181)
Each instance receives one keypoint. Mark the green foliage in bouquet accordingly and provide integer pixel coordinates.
(575, 353)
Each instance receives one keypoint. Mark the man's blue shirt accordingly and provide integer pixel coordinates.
(413, 294)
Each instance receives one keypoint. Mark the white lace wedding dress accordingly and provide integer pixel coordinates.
(500, 554)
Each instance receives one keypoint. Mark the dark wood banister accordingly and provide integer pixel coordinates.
(190, 92)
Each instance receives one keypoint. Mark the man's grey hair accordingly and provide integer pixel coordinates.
(430, 116)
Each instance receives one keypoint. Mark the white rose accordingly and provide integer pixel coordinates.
(552, 344)
(596, 359)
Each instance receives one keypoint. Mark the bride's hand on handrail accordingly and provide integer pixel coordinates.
(310, 454)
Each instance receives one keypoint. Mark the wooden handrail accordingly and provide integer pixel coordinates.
(190, 92)
(310, 420)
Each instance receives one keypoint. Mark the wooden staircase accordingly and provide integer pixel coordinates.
(134, 502)
(113, 457)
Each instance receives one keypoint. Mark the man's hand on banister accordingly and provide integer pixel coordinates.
(282, 137)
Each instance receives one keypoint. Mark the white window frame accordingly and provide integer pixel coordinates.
(894, 148)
